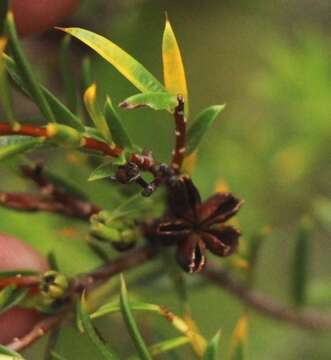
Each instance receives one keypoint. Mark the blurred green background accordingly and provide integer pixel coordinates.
(269, 61)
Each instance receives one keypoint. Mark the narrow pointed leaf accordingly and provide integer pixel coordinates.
(212, 350)
(300, 263)
(90, 99)
(198, 129)
(115, 123)
(129, 67)
(114, 307)
(103, 171)
(87, 77)
(68, 79)
(56, 356)
(255, 245)
(239, 340)
(156, 101)
(11, 296)
(25, 70)
(10, 354)
(322, 213)
(67, 184)
(88, 328)
(22, 144)
(5, 91)
(166, 346)
(17, 273)
(3, 13)
(173, 67)
(131, 324)
(62, 114)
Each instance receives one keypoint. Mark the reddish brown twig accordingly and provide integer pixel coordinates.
(124, 263)
(180, 132)
(52, 198)
(41, 131)
(30, 203)
(312, 320)
(39, 330)
(58, 197)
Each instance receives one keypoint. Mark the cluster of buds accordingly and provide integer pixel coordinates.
(131, 173)
(121, 233)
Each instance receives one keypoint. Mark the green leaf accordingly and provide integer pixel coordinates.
(8, 354)
(131, 324)
(173, 67)
(88, 328)
(254, 248)
(11, 296)
(87, 77)
(25, 70)
(90, 100)
(322, 213)
(56, 356)
(68, 79)
(69, 185)
(18, 273)
(114, 307)
(103, 171)
(166, 346)
(212, 350)
(300, 263)
(198, 129)
(93, 133)
(239, 340)
(62, 114)
(156, 101)
(21, 144)
(118, 131)
(5, 91)
(129, 67)
(3, 13)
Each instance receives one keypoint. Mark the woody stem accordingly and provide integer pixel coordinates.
(180, 131)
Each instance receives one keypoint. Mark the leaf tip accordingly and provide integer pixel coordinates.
(90, 93)
(10, 16)
(61, 29)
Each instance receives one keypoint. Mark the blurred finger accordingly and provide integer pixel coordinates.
(35, 16)
(14, 254)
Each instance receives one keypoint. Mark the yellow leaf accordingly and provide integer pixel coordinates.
(173, 67)
(222, 186)
(90, 100)
(128, 66)
(239, 339)
(189, 163)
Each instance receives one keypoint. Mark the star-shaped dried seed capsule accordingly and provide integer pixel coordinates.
(195, 226)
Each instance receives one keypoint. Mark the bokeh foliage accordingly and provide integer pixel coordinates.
(272, 147)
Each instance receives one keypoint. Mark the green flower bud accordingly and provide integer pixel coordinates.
(64, 135)
(121, 234)
(54, 286)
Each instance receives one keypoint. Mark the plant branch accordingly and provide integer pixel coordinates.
(132, 260)
(312, 320)
(43, 131)
(180, 131)
(52, 198)
(39, 330)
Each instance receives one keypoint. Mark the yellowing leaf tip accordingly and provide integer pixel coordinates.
(90, 93)
(61, 28)
(240, 333)
(10, 15)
